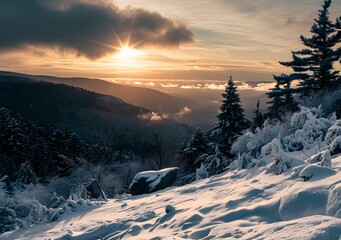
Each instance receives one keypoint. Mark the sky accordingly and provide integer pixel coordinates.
(145, 41)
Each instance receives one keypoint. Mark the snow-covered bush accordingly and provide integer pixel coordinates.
(335, 147)
(322, 158)
(240, 146)
(328, 101)
(307, 127)
(326, 159)
(253, 142)
(8, 220)
(4, 198)
(314, 127)
(302, 131)
(281, 161)
(243, 161)
(201, 173)
(23, 213)
(311, 128)
(57, 201)
(214, 163)
(333, 132)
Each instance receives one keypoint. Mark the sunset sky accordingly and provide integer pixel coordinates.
(144, 41)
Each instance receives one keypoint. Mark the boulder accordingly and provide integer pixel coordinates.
(152, 181)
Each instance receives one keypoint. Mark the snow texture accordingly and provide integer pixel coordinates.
(282, 194)
(244, 204)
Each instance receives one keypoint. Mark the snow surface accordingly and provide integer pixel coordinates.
(244, 204)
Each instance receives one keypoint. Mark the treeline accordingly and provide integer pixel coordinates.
(30, 152)
(314, 78)
(312, 67)
(207, 154)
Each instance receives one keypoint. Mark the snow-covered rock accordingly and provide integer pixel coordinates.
(316, 172)
(151, 181)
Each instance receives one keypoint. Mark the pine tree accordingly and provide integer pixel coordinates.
(283, 98)
(231, 121)
(276, 102)
(26, 175)
(196, 146)
(214, 163)
(313, 65)
(258, 119)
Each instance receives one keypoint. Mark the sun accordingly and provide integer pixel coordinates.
(127, 52)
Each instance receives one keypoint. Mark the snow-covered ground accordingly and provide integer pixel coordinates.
(245, 204)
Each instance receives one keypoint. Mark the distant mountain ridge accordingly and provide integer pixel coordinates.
(96, 117)
(139, 96)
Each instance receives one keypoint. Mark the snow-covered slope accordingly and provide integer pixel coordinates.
(291, 189)
(245, 204)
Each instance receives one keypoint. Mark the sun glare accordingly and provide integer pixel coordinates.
(127, 53)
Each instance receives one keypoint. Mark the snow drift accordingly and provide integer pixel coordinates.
(285, 184)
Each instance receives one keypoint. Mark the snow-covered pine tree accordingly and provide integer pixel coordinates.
(283, 96)
(196, 146)
(26, 175)
(313, 65)
(258, 118)
(231, 120)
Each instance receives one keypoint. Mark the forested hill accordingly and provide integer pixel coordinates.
(139, 96)
(96, 117)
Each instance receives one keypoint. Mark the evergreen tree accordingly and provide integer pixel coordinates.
(196, 146)
(283, 98)
(214, 163)
(26, 175)
(313, 65)
(231, 121)
(276, 102)
(258, 119)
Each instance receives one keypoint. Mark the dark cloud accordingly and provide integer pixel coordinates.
(89, 28)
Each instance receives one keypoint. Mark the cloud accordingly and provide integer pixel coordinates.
(184, 111)
(169, 85)
(153, 116)
(89, 28)
(151, 84)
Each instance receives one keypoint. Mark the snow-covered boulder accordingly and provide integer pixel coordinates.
(316, 172)
(152, 181)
